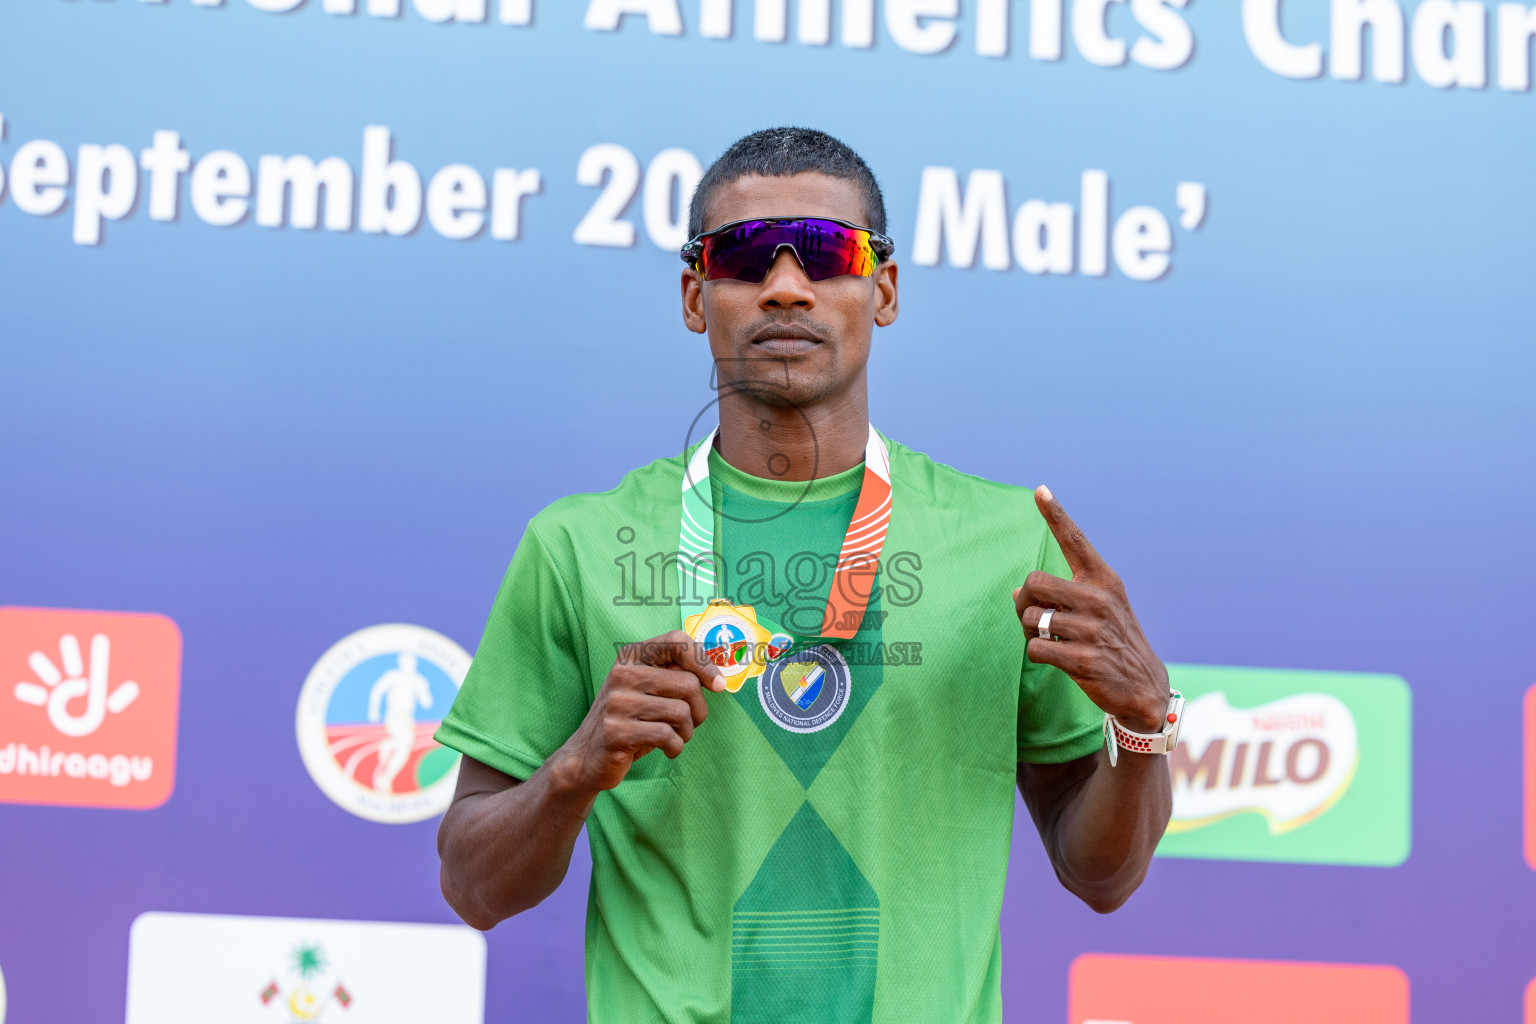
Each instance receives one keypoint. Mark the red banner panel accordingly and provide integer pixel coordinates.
(90, 702)
(1109, 989)
(1530, 779)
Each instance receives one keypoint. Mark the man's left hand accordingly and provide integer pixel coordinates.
(1095, 636)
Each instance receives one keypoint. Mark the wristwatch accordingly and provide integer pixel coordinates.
(1117, 735)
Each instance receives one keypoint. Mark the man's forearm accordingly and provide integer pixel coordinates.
(505, 845)
(503, 851)
(1107, 826)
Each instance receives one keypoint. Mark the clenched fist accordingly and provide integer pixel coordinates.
(653, 699)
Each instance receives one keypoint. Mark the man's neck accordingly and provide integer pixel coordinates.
(786, 443)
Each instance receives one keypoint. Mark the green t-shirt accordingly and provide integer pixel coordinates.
(831, 845)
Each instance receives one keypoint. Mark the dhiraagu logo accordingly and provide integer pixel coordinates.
(1307, 767)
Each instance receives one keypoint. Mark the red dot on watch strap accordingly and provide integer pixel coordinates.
(1173, 718)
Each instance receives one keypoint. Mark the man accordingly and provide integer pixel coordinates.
(827, 856)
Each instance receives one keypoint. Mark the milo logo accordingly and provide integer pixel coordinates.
(1287, 761)
(1297, 766)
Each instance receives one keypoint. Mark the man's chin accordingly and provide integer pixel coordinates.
(797, 392)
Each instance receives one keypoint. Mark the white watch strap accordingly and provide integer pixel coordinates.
(1162, 742)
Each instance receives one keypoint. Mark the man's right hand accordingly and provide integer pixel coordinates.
(652, 700)
(507, 844)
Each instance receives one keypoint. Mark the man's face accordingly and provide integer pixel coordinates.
(789, 341)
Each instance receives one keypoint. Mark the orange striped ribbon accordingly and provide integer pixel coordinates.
(857, 563)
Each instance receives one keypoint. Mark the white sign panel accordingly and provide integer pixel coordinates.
(196, 968)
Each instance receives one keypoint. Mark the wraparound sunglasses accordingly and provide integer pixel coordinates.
(744, 250)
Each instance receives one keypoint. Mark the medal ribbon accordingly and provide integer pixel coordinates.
(697, 560)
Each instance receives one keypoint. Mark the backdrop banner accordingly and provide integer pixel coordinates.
(307, 306)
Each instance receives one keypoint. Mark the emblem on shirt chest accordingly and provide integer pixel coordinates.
(733, 639)
(806, 691)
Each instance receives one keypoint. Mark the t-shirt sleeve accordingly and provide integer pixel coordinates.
(526, 690)
(1057, 721)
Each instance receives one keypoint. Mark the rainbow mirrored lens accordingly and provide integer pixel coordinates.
(745, 250)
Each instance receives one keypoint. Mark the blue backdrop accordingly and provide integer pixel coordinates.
(1307, 445)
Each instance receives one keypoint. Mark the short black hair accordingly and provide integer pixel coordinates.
(780, 152)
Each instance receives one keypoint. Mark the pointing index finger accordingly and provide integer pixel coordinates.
(1081, 557)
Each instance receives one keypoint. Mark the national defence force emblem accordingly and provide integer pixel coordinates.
(806, 691)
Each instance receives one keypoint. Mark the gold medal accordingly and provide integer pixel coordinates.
(732, 639)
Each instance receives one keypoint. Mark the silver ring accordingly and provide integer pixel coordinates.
(1044, 628)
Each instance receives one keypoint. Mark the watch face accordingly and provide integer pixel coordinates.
(1176, 712)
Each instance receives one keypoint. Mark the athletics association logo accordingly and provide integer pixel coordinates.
(366, 717)
(194, 968)
(806, 691)
(732, 639)
(88, 704)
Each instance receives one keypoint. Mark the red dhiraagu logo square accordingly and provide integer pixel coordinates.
(1109, 989)
(1530, 784)
(88, 705)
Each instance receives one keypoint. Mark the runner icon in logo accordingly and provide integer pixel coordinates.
(806, 691)
(366, 717)
(727, 645)
(401, 689)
